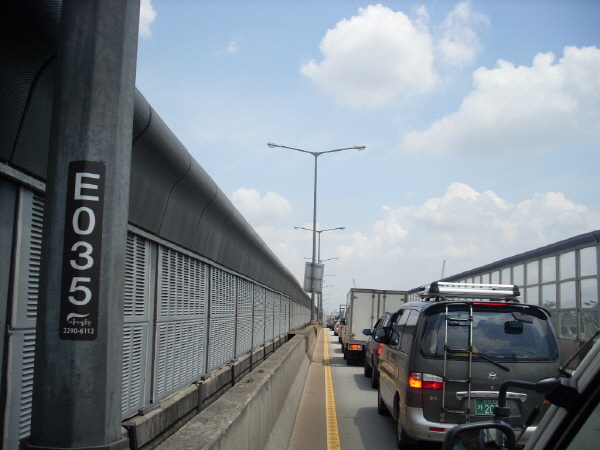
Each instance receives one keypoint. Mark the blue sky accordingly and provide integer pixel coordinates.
(481, 122)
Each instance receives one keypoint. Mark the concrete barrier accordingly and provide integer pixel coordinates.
(249, 404)
(257, 413)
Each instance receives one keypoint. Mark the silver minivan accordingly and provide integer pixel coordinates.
(446, 357)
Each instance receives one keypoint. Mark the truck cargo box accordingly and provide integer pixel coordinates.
(363, 308)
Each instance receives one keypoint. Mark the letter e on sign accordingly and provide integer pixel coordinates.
(81, 254)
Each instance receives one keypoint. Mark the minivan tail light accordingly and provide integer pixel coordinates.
(420, 380)
(355, 346)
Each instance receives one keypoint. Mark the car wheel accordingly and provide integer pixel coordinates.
(405, 442)
(368, 369)
(374, 378)
(381, 408)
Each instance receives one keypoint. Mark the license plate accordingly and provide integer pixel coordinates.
(485, 406)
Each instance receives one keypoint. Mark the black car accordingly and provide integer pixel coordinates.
(373, 349)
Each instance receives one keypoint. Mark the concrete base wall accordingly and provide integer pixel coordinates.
(257, 413)
(266, 384)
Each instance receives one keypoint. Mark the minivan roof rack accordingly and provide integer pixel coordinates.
(438, 289)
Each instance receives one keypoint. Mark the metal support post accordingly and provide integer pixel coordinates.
(78, 355)
(314, 245)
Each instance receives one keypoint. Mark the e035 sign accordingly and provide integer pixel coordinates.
(82, 250)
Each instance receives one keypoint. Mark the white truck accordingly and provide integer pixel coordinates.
(363, 308)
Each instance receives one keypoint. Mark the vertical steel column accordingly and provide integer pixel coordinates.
(314, 247)
(9, 192)
(78, 365)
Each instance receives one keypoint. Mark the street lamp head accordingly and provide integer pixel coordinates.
(359, 147)
(273, 144)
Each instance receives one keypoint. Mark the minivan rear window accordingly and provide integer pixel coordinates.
(503, 333)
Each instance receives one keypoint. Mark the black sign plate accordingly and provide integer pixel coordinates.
(82, 251)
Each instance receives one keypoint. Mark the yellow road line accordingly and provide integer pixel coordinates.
(333, 436)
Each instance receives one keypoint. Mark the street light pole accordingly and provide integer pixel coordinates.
(320, 303)
(314, 250)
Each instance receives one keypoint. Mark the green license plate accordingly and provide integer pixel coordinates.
(485, 406)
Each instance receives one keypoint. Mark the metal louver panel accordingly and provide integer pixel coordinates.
(277, 315)
(134, 363)
(245, 301)
(222, 339)
(245, 306)
(21, 340)
(258, 334)
(222, 297)
(179, 355)
(27, 268)
(182, 286)
(136, 277)
(19, 400)
(269, 318)
(37, 223)
(285, 314)
(243, 335)
(293, 314)
(269, 328)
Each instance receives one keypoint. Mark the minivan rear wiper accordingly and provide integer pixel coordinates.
(487, 358)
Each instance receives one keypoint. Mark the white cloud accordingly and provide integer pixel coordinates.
(232, 47)
(513, 109)
(380, 55)
(385, 240)
(459, 43)
(408, 245)
(147, 16)
(374, 57)
(465, 228)
(261, 210)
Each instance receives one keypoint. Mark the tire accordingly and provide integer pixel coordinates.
(368, 369)
(381, 408)
(404, 441)
(344, 352)
(375, 378)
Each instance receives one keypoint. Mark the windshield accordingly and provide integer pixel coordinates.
(502, 333)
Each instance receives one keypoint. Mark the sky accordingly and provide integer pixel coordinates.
(481, 122)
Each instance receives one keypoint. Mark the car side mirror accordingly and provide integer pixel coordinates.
(475, 436)
(367, 332)
(380, 336)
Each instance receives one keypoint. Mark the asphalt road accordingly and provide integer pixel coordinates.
(359, 426)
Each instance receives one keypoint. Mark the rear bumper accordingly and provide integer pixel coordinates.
(353, 353)
(419, 428)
